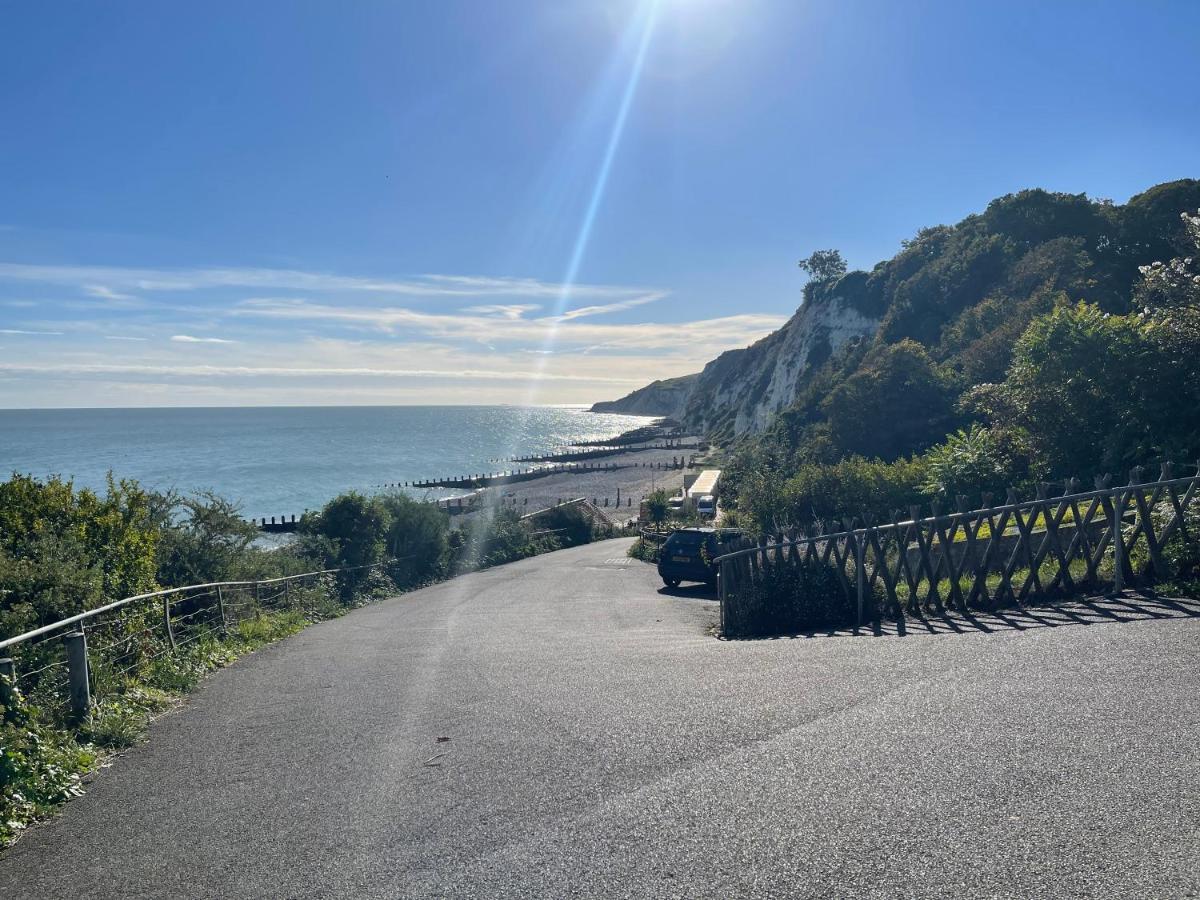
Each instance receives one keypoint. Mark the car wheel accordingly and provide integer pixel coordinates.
(671, 582)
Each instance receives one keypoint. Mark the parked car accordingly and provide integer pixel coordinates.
(706, 506)
(688, 553)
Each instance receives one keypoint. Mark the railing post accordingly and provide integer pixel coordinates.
(77, 673)
(167, 620)
(859, 576)
(221, 610)
(287, 593)
(1118, 539)
(721, 593)
(8, 669)
(257, 595)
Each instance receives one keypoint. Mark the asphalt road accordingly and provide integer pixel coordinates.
(560, 727)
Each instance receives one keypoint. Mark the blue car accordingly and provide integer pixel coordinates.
(688, 553)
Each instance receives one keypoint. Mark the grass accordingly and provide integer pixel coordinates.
(1038, 525)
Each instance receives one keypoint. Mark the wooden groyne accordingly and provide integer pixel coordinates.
(490, 479)
(283, 526)
(594, 451)
(478, 481)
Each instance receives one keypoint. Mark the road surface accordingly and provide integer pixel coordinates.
(561, 727)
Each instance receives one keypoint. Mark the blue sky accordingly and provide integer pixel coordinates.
(454, 202)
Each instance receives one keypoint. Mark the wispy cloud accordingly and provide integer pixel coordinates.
(79, 369)
(189, 339)
(504, 311)
(605, 308)
(34, 333)
(115, 279)
(122, 337)
(106, 293)
(700, 335)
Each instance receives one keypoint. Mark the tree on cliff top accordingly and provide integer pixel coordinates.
(824, 265)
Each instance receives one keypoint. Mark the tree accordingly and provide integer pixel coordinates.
(898, 403)
(63, 551)
(658, 506)
(207, 540)
(418, 536)
(1092, 392)
(1170, 291)
(355, 529)
(824, 265)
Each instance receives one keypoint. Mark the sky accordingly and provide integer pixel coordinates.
(503, 201)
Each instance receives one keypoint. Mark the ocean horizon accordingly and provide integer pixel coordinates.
(283, 460)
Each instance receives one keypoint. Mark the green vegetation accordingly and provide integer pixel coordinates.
(1050, 337)
(64, 551)
(789, 599)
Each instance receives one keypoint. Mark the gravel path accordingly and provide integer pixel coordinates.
(562, 726)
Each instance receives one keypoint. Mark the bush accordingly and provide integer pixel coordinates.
(646, 551)
(854, 487)
(40, 766)
(971, 462)
(418, 536)
(63, 551)
(785, 599)
(1092, 392)
(571, 525)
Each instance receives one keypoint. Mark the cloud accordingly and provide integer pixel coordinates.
(700, 336)
(509, 311)
(121, 337)
(610, 307)
(113, 279)
(82, 369)
(189, 339)
(38, 333)
(104, 293)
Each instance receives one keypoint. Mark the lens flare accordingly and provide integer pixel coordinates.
(642, 29)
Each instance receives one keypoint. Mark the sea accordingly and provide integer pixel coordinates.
(281, 461)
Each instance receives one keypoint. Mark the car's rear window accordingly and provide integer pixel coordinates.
(686, 539)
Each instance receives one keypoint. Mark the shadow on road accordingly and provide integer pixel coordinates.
(1127, 607)
(690, 592)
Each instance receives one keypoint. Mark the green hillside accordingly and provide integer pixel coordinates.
(1025, 321)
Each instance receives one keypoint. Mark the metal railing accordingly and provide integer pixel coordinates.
(68, 662)
(982, 558)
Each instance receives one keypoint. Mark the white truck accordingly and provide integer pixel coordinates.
(703, 492)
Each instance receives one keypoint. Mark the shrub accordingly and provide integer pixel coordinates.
(854, 487)
(787, 599)
(658, 506)
(40, 766)
(418, 536)
(1093, 392)
(570, 523)
(970, 462)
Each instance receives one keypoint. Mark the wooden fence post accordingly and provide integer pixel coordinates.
(859, 576)
(167, 620)
(77, 673)
(221, 610)
(721, 593)
(1118, 539)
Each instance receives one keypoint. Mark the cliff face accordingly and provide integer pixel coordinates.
(739, 391)
(964, 293)
(661, 398)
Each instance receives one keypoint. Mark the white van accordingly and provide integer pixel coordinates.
(706, 506)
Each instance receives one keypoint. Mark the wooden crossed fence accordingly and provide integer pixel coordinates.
(985, 558)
